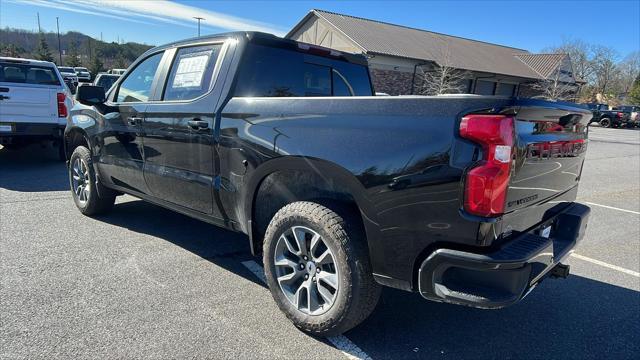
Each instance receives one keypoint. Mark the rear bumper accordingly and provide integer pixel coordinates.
(505, 276)
(24, 132)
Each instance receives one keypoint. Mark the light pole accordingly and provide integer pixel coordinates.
(59, 46)
(198, 18)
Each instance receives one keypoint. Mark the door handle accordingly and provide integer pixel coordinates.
(4, 89)
(134, 120)
(198, 124)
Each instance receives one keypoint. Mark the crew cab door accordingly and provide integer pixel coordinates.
(180, 125)
(121, 156)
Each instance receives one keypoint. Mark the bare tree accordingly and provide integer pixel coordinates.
(441, 77)
(581, 57)
(604, 65)
(628, 70)
(553, 88)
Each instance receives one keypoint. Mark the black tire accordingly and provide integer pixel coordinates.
(99, 199)
(605, 122)
(358, 292)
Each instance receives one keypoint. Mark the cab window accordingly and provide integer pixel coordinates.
(191, 72)
(137, 86)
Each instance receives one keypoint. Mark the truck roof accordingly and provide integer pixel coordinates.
(270, 40)
(26, 61)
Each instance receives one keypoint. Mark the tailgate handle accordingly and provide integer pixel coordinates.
(134, 120)
(4, 89)
(198, 124)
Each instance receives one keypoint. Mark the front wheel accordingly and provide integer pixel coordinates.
(317, 268)
(84, 187)
(605, 122)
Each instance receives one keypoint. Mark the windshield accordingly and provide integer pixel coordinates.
(81, 69)
(65, 69)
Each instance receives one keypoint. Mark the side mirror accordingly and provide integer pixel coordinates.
(90, 95)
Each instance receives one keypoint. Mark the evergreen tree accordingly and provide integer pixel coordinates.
(42, 52)
(72, 57)
(121, 61)
(96, 66)
(634, 94)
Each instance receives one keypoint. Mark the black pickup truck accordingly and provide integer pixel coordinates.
(609, 118)
(465, 199)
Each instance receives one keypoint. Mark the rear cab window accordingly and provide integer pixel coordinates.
(28, 74)
(267, 71)
(191, 72)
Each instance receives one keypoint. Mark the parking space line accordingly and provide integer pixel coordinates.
(341, 342)
(613, 208)
(602, 263)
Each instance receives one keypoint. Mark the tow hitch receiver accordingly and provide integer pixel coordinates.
(560, 271)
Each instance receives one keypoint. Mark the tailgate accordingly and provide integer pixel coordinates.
(550, 146)
(28, 103)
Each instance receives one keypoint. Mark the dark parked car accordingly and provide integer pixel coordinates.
(105, 80)
(286, 142)
(608, 118)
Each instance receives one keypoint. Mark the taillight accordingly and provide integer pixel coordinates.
(620, 115)
(485, 189)
(62, 107)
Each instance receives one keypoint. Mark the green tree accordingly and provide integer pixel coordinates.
(96, 66)
(73, 56)
(10, 50)
(42, 52)
(634, 94)
(121, 61)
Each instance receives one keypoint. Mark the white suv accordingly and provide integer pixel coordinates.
(34, 102)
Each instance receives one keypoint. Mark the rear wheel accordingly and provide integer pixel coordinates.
(90, 196)
(605, 122)
(317, 268)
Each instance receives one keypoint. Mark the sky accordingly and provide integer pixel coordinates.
(531, 25)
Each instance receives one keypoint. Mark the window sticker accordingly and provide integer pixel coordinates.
(191, 70)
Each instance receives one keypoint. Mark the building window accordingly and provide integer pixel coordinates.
(484, 87)
(505, 89)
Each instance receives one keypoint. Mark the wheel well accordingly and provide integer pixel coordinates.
(73, 139)
(287, 186)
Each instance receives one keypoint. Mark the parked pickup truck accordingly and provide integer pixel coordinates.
(34, 102)
(608, 118)
(633, 111)
(286, 142)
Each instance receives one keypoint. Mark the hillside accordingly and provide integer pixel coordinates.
(85, 49)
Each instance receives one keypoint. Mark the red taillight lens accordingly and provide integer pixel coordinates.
(485, 190)
(62, 108)
(620, 114)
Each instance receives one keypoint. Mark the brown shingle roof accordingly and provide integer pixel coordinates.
(375, 37)
(543, 64)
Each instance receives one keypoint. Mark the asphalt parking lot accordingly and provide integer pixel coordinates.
(144, 282)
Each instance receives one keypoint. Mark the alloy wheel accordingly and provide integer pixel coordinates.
(306, 271)
(81, 182)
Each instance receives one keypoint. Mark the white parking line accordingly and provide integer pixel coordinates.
(602, 263)
(613, 208)
(341, 342)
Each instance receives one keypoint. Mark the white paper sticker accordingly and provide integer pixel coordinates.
(190, 71)
(5, 128)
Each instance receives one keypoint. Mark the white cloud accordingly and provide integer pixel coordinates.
(146, 11)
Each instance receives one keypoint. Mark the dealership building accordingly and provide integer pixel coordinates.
(398, 55)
